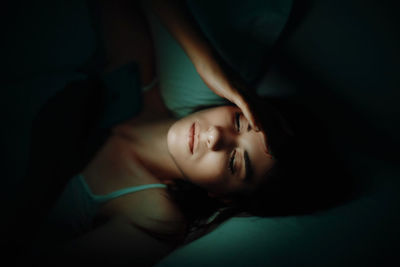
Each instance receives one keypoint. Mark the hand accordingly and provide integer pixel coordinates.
(234, 91)
(243, 100)
(178, 20)
(231, 89)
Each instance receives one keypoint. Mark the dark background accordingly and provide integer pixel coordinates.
(342, 54)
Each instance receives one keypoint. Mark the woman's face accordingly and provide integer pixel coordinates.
(218, 150)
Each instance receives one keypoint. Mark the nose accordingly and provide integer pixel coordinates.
(214, 138)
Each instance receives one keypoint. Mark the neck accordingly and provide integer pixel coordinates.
(151, 149)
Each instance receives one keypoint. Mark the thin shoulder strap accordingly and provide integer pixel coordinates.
(118, 193)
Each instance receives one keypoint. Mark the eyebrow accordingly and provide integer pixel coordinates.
(247, 166)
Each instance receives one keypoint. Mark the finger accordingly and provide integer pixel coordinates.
(250, 117)
(264, 141)
(243, 103)
(249, 114)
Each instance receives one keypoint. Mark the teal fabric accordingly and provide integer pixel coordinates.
(100, 199)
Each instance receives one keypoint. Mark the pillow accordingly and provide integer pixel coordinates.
(360, 233)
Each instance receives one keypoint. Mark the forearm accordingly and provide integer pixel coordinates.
(176, 17)
(216, 74)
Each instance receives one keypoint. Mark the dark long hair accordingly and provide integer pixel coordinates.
(306, 178)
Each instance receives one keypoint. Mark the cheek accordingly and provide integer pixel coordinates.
(176, 141)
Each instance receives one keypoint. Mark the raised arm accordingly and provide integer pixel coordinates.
(175, 15)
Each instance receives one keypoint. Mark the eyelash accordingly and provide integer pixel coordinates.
(233, 155)
(232, 161)
(237, 121)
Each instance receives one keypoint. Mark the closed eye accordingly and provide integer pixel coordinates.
(237, 121)
(232, 162)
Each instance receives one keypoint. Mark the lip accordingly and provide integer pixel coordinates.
(191, 138)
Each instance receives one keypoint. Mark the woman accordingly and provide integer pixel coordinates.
(123, 206)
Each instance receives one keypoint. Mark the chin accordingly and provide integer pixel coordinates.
(175, 144)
